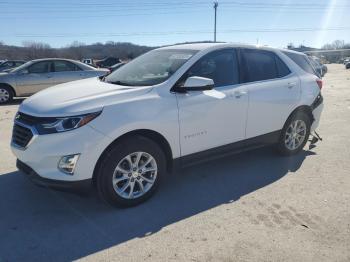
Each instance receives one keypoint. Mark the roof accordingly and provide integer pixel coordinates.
(204, 46)
(47, 59)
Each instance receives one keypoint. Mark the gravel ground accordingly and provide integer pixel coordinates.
(254, 206)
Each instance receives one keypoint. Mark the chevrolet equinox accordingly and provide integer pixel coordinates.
(173, 106)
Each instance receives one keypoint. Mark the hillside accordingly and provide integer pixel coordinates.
(78, 51)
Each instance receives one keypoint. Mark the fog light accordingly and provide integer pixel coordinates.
(67, 164)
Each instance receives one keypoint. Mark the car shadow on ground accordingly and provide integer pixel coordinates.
(41, 224)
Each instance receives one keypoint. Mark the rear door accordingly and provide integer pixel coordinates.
(66, 71)
(37, 77)
(273, 89)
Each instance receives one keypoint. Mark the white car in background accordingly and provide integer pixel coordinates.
(173, 106)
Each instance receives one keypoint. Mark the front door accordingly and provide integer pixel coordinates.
(217, 117)
(36, 78)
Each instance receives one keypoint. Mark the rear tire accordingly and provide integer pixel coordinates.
(130, 172)
(294, 134)
(6, 94)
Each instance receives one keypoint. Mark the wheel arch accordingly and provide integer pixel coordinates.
(304, 109)
(150, 134)
(9, 86)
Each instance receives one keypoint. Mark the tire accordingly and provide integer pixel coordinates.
(285, 144)
(116, 173)
(6, 94)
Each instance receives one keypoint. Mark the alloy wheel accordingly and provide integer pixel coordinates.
(295, 134)
(135, 175)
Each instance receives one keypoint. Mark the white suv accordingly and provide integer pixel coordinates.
(170, 107)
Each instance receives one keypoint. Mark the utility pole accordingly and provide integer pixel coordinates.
(216, 4)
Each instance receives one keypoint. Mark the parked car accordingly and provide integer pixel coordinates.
(171, 107)
(107, 62)
(37, 75)
(323, 66)
(88, 61)
(10, 64)
(319, 68)
(347, 65)
(116, 66)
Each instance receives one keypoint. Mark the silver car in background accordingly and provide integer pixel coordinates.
(37, 75)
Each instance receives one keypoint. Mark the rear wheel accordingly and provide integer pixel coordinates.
(6, 94)
(131, 172)
(295, 134)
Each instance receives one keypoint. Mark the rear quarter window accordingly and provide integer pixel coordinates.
(302, 61)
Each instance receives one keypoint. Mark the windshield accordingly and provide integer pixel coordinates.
(151, 68)
(17, 69)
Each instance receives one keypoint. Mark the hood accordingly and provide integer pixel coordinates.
(78, 97)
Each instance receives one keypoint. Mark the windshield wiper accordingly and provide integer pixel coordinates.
(119, 83)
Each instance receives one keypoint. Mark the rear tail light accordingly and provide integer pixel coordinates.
(319, 83)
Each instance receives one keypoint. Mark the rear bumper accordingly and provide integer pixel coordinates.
(77, 186)
(317, 108)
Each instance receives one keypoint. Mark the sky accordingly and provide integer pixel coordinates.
(154, 23)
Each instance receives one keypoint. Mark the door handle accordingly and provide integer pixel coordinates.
(291, 84)
(238, 94)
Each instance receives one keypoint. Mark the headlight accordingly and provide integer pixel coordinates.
(62, 124)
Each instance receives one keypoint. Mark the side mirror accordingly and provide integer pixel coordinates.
(196, 83)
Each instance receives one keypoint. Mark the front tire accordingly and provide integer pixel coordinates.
(295, 134)
(130, 172)
(6, 94)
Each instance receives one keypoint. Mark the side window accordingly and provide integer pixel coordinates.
(64, 66)
(282, 69)
(221, 66)
(40, 67)
(259, 65)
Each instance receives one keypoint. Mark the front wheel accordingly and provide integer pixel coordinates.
(294, 134)
(130, 172)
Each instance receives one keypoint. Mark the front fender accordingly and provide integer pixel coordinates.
(149, 112)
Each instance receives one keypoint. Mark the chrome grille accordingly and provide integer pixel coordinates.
(21, 136)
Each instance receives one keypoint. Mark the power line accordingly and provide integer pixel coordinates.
(96, 4)
(112, 13)
(227, 31)
(168, 7)
(177, 4)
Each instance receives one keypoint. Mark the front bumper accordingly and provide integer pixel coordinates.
(45, 151)
(83, 185)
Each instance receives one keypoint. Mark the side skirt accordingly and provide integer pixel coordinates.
(226, 150)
